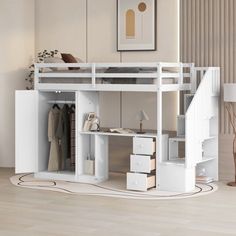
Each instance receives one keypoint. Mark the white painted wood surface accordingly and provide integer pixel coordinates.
(26, 131)
(201, 124)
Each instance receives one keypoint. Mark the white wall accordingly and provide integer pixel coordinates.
(16, 54)
(87, 29)
(61, 24)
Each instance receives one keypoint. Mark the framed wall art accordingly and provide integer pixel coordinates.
(136, 25)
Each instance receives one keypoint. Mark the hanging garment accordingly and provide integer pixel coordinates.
(54, 154)
(63, 135)
(72, 136)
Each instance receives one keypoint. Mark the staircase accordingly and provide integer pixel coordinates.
(197, 132)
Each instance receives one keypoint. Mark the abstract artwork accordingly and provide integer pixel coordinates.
(136, 25)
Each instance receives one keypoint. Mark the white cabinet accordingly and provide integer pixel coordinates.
(142, 163)
(31, 125)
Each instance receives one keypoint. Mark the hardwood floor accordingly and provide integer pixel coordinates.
(33, 212)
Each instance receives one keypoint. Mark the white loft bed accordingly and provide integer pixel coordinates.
(173, 173)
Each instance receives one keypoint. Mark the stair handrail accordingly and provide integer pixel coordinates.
(198, 112)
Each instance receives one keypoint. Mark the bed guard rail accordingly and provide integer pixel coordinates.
(157, 71)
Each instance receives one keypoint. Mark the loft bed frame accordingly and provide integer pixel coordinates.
(201, 116)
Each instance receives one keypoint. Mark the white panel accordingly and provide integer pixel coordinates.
(61, 25)
(83, 144)
(176, 178)
(43, 143)
(26, 111)
(101, 156)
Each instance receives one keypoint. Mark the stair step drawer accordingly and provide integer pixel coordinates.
(145, 146)
(141, 163)
(140, 182)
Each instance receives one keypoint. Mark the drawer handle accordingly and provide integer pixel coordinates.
(136, 182)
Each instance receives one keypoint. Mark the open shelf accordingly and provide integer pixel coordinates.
(207, 158)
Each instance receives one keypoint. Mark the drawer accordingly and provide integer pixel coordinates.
(141, 163)
(145, 146)
(140, 182)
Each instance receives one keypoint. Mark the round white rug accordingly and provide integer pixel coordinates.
(106, 188)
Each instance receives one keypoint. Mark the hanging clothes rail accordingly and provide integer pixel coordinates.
(61, 102)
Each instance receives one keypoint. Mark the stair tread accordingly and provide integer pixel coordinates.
(176, 161)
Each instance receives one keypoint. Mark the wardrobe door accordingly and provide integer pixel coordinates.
(26, 119)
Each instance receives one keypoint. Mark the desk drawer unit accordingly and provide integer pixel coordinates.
(140, 182)
(142, 164)
(144, 146)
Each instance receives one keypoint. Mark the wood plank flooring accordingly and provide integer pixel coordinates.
(36, 212)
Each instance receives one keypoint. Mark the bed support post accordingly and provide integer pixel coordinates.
(159, 118)
(193, 78)
(93, 75)
(36, 76)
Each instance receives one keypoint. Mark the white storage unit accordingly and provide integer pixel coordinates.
(32, 145)
(154, 162)
(141, 164)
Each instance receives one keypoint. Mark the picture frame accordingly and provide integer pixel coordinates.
(136, 25)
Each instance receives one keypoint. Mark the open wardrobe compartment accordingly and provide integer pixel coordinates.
(46, 125)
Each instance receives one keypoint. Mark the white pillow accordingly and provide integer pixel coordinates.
(59, 60)
(55, 60)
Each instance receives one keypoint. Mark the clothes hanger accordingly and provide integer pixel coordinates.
(55, 105)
